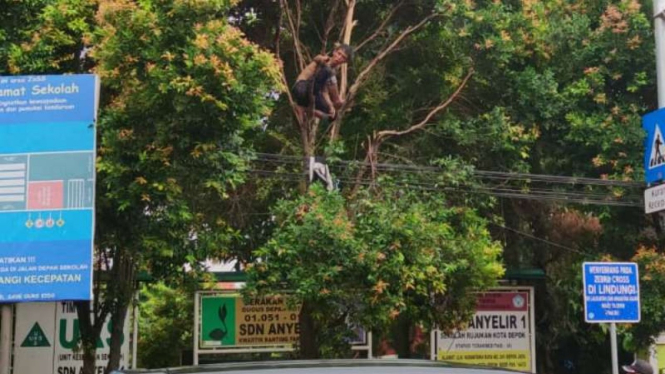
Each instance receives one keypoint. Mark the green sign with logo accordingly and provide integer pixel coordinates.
(228, 321)
(218, 320)
(35, 338)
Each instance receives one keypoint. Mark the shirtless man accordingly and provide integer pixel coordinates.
(321, 74)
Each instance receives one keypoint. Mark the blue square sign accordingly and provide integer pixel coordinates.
(611, 292)
(654, 154)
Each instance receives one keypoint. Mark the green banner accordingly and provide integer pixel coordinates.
(229, 321)
(218, 320)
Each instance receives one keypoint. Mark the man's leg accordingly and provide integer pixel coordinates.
(301, 114)
(301, 96)
(321, 108)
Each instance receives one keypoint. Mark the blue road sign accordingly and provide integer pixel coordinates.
(47, 176)
(611, 292)
(654, 155)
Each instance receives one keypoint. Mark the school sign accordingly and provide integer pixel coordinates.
(47, 340)
(501, 333)
(47, 184)
(229, 321)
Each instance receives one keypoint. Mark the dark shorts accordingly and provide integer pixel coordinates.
(301, 90)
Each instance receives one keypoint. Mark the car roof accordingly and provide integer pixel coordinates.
(373, 366)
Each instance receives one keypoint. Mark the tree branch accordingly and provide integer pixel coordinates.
(346, 39)
(368, 69)
(295, 32)
(384, 134)
(362, 77)
(330, 25)
(278, 34)
(381, 27)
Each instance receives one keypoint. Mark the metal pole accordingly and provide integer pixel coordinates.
(659, 25)
(197, 297)
(432, 344)
(135, 332)
(6, 339)
(615, 355)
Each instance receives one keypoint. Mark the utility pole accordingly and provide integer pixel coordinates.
(659, 25)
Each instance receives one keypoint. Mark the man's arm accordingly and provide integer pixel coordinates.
(333, 91)
(321, 59)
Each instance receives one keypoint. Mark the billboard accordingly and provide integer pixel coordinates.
(47, 340)
(224, 322)
(500, 334)
(47, 177)
(229, 321)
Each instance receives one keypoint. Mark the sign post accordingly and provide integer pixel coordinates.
(611, 295)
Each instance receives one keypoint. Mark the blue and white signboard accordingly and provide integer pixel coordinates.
(611, 292)
(654, 155)
(47, 184)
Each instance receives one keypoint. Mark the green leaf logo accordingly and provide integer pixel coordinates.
(219, 334)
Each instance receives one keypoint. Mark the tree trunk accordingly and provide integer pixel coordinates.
(118, 317)
(309, 347)
(348, 30)
(400, 337)
(90, 330)
(124, 284)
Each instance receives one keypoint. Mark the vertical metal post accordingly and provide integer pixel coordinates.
(432, 344)
(659, 25)
(6, 339)
(615, 354)
(369, 343)
(135, 332)
(197, 297)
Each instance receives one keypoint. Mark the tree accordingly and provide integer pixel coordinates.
(557, 88)
(373, 258)
(181, 86)
(184, 86)
(165, 324)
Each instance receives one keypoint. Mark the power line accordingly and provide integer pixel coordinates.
(583, 197)
(572, 180)
(428, 173)
(542, 240)
(497, 192)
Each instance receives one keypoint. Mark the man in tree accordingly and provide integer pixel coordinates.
(319, 81)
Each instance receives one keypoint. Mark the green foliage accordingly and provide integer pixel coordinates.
(42, 36)
(166, 316)
(382, 256)
(640, 336)
(183, 87)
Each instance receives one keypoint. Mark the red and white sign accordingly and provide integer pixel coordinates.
(500, 334)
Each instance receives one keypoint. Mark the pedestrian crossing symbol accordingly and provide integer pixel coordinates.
(657, 157)
(654, 156)
(36, 337)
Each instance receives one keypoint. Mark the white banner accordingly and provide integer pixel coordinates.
(500, 334)
(47, 338)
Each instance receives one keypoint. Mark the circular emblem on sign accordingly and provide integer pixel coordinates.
(518, 301)
(591, 315)
(39, 223)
